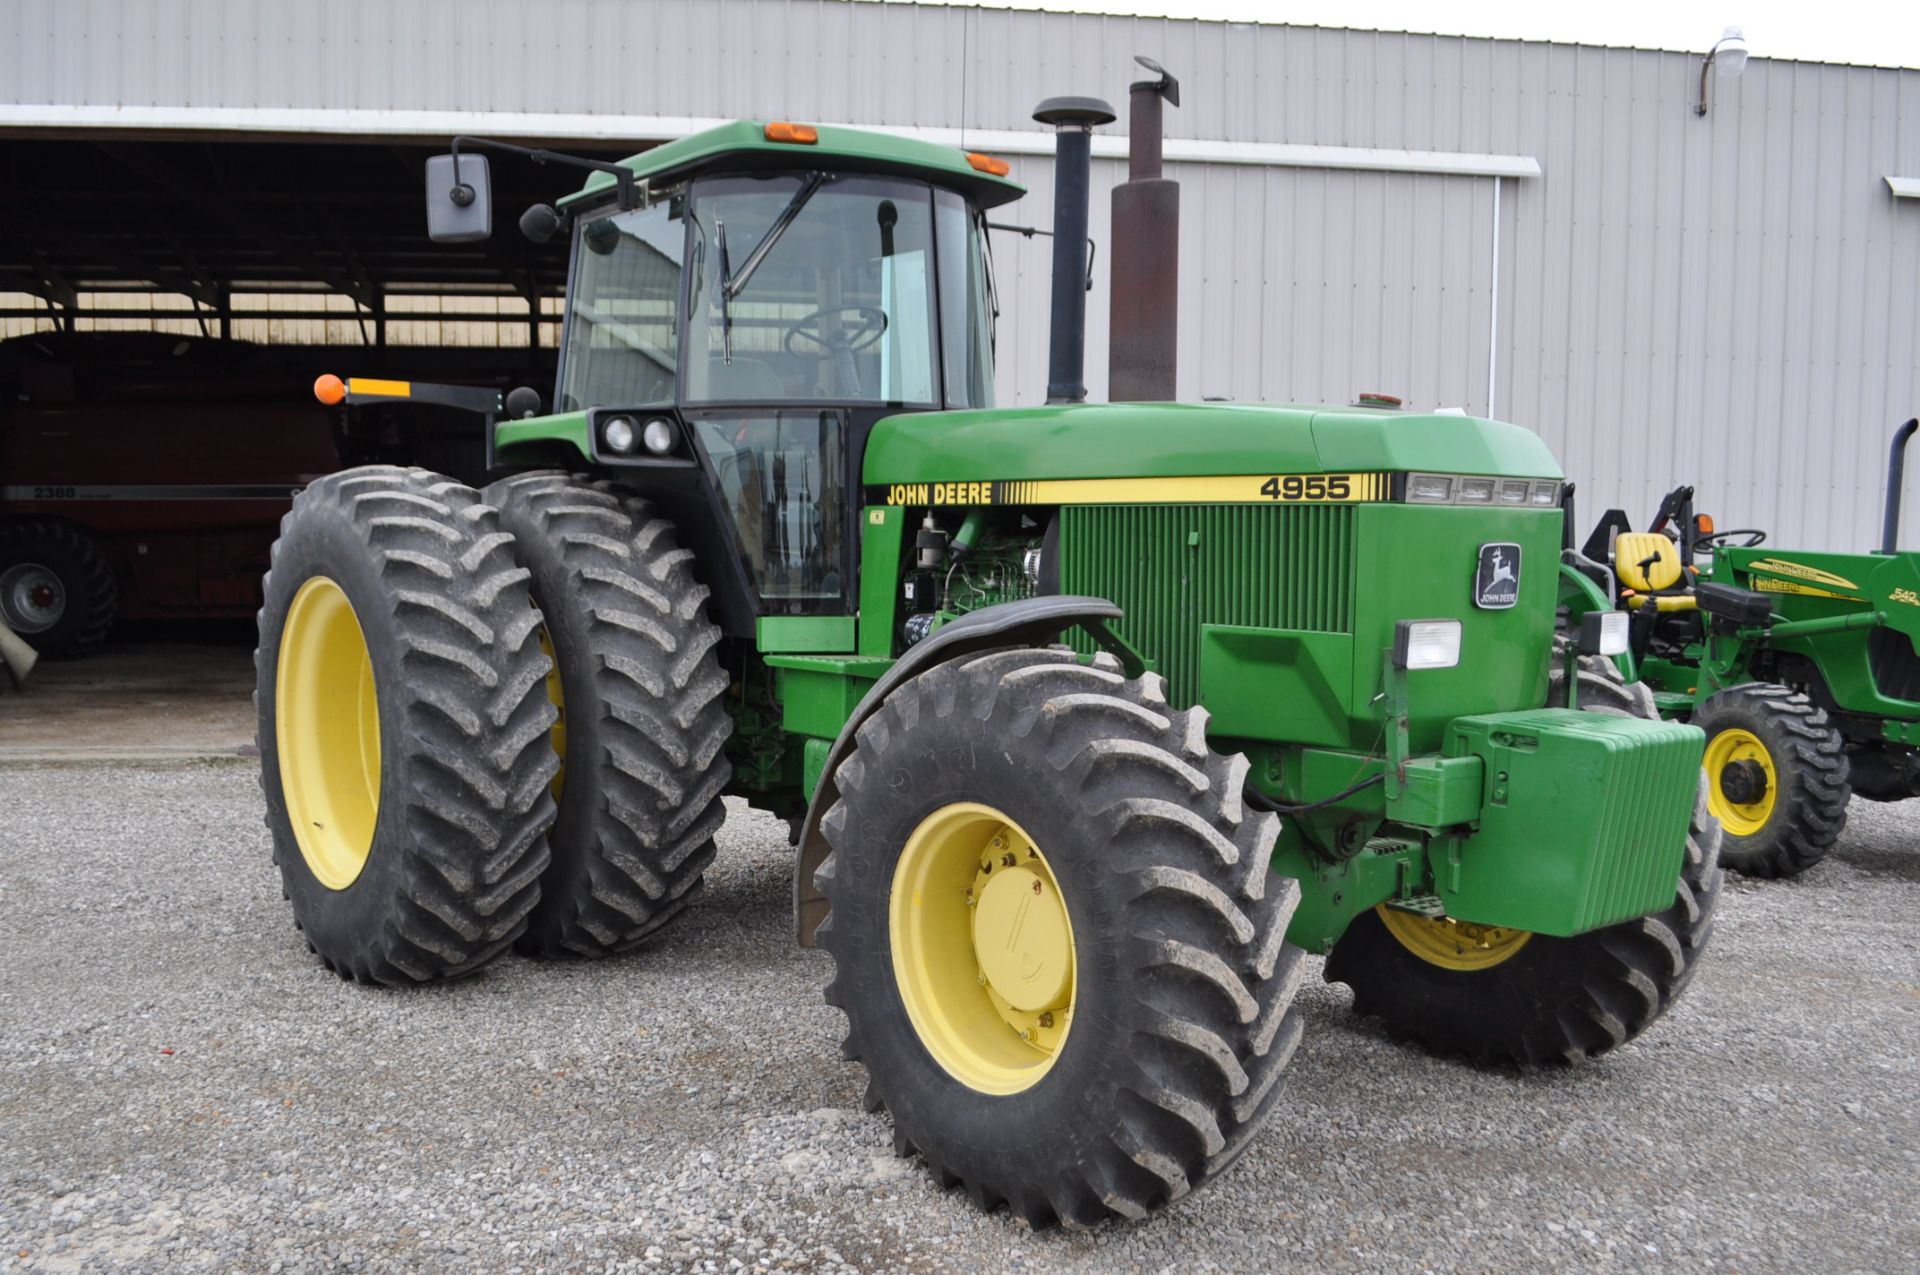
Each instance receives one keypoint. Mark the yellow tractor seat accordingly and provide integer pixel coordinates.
(1650, 572)
(1646, 561)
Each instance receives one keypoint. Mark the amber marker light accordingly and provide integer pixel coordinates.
(1703, 524)
(802, 134)
(330, 389)
(988, 164)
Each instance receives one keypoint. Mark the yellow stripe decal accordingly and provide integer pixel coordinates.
(1763, 585)
(1800, 571)
(384, 389)
(1244, 489)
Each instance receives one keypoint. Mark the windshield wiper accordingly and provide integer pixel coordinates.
(726, 291)
(734, 286)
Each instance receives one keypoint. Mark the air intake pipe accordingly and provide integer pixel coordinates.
(1144, 328)
(1073, 120)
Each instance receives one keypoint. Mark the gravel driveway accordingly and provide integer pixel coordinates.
(183, 1088)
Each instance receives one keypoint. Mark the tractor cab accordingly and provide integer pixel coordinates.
(742, 306)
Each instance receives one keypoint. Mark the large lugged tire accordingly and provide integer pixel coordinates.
(1776, 778)
(403, 726)
(641, 695)
(56, 590)
(1026, 844)
(1501, 996)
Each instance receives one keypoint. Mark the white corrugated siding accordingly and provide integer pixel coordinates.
(1732, 301)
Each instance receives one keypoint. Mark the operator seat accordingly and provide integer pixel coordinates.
(1648, 564)
(1654, 583)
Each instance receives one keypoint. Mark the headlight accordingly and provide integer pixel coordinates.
(1603, 633)
(619, 435)
(659, 435)
(1426, 644)
(1482, 489)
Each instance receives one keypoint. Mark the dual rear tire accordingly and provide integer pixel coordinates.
(419, 644)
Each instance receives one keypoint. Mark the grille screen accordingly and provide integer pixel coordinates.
(1173, 568)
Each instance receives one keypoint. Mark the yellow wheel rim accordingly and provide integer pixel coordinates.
(327, 733)
(558, 735)
(1743, 818)
(1451, 944)
(982, 948)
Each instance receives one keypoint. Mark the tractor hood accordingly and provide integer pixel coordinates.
(1119, 440)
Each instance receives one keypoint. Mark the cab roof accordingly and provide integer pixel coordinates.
(743, 146)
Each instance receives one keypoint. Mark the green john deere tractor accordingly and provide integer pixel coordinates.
(1091, 720)
(1801, 667)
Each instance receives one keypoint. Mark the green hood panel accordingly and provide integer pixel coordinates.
(1107, 440)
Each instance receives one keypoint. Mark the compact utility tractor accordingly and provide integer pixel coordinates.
(1801, 667)
(1090, 719)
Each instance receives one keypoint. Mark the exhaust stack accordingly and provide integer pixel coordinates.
(1073, 120)
(1144, 324)
(1896, 476)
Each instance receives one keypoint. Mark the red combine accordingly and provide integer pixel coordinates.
(144, 475)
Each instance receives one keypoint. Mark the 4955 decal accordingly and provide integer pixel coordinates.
(1236, 489)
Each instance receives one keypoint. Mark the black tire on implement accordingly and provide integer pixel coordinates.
(1555, 1000)
(460, 837)
(1182, 1023)
(642, 701)
(1810, 762)
(87, 593)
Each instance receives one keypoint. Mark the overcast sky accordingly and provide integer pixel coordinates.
(1883, 34)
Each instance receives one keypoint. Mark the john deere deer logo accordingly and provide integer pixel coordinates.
(1496, 586)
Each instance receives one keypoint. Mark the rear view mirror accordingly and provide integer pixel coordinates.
(459, 199)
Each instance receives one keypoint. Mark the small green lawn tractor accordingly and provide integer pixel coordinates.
(1090, 719)
(1801, 667)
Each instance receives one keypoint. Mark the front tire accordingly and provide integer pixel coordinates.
(1777, 778)
(1507, 996)
(403, 725)
(641, 695)
(1102, 1026)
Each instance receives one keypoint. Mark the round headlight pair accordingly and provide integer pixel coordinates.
(622, 435)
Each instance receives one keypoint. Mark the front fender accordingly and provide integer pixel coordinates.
(1030, 622)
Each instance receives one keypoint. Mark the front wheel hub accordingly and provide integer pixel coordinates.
(983, 949)
(1743, 782)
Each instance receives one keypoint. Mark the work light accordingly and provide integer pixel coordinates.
(1603, 633)
(658, 435)
(1426, 644)
(619, 435)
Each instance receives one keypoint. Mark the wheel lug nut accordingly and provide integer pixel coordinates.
(1006, 861)
(1046, 1019)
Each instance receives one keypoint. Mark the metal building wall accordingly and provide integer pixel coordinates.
(1733, 300)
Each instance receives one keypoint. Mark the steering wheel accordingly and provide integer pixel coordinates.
(873, 323)
(1715, 539)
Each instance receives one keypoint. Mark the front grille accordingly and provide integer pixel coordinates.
(1173, 568)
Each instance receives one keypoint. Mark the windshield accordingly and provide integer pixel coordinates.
(828, 291)
(623, 309)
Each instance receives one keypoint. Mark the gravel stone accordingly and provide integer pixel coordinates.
(685, 1108)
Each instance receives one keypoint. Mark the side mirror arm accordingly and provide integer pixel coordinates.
(623, 176)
